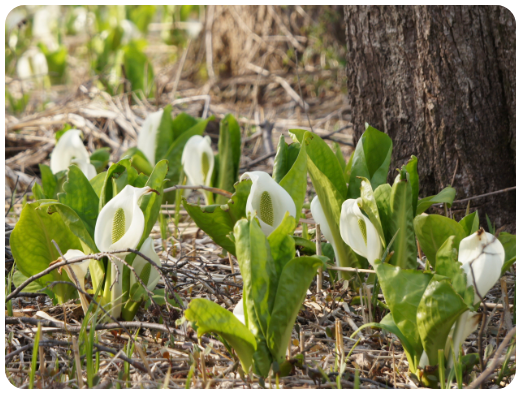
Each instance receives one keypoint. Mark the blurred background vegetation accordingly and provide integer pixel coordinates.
(55, 53)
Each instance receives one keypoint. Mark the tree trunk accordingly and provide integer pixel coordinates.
(440, 80)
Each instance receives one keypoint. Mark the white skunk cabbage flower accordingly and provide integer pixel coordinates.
(32, 64)
(193, 28)
(70, 150)
(238, 311)
(483, 254)
(147, 138)
(152, 277)
(268, 201)
(198, 162)
(78, 271)
(45, 20)
(318, 215)
(358, 232)
(120, 225)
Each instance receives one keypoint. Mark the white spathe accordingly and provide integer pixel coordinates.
(238, 311)
(147, 138)
(320, 218)
(358, 232)
(70, 150)
(139, 263)
(80, 272)
(268, 201)
(32, 64)
(482, 253)
(198, 161)
(122, 215)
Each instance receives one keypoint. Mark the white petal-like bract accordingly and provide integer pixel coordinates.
(147, 138)
(268, 201)
(319, 217)
(70, 150)
(139, 263)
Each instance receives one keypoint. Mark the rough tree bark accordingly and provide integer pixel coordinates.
(440, 80)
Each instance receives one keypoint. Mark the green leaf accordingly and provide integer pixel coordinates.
(33, 250)
(142, 15)
(258, 274)
(404, 246)
(73, 222)
(447, 264)
(211, 317)
(38, 192)
(403, 291)
(229, 155)
(164, 136)
(49, 182)
(438, 310)
(433, 230)
(509, 243)
(295, 181)
(284, 159)
(150, 203)
(218, 221)
(470, 223)
(291, 292)
(445, 196)
(138, 70)
(340, 156)
(328, 181)
(182, 123)
(382, 196)
(138, 160)
(282, 244)
(97, 182)
(370, 208)
(33, 287)
(412, 170)
(371, 159)
(79, 195)
(174, 156)
(100, 158)
(107, 190)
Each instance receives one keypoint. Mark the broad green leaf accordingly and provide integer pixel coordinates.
(445, 196)
(97, 182)
(371, 159)
(127, 177)
(438, 310)
(328, 181)
(182, 123)
(403, 291)
(33, 287)
(218, 221)
(38, 192)
(73, 222)
(100, 158)
(107, 190)
(412, 170)
(159, 298)
(49, 182)
(282, 244)
(259, 275)
(404, 245)
(229, 155)
(79, 195)
(164, 136)
(388, 324)
(340, 156)
(470, 223)
(211, 317)
(284, 159)
(291, 292)
(323, 158)
(33, 250)
(138, 160)
(295, 181)
(433, 230)
(370, 208)
(142, 15)
(174, 156)
(382, 196)
(509, 243)
(138, 70)
(447, 264)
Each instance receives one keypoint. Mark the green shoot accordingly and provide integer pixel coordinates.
(441, 368)
(36, 345)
